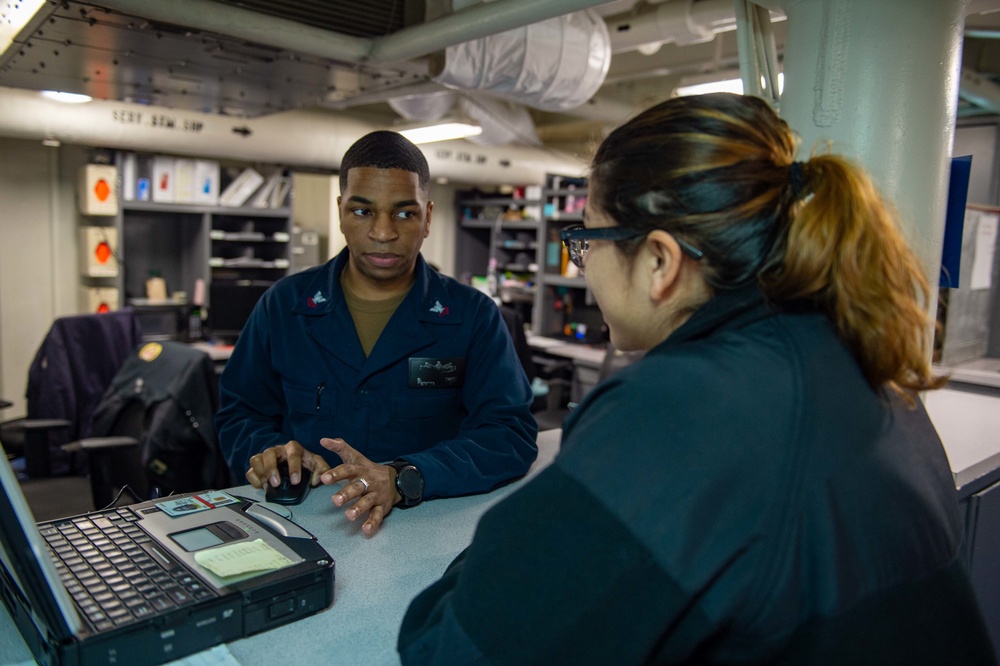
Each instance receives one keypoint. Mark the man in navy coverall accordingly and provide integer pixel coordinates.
(402, 379)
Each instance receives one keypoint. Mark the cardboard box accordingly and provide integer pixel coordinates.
(97, 300)
(99, 251)
(97, 189)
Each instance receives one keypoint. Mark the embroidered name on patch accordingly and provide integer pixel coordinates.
(436, 372)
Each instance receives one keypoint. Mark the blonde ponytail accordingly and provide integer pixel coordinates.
(846, 252)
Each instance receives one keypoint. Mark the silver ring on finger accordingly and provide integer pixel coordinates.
(364, 483)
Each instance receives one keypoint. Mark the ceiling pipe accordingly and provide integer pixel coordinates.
(679, 21)
(303, 139)
(412, 42)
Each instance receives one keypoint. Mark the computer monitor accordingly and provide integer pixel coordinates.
(229, 307)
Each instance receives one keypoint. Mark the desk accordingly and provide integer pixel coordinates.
(375, 581)
(215, 352)
(586, 361)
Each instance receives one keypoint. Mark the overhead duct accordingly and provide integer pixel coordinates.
(312, 139)
(502, 122)
(430, 106)
(554, 65)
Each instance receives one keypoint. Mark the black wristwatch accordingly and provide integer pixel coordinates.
(409, 483)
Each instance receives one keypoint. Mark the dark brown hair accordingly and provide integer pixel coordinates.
(718, 171)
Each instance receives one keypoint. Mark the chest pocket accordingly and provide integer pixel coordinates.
(319, 401)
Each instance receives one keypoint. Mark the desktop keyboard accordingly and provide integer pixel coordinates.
(111, 569)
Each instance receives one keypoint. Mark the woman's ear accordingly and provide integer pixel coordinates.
(665, 261)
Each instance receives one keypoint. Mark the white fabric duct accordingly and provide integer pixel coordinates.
(432, 106)
(554, 65)
(502, 122)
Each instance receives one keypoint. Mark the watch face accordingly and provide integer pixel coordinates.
(410, 483)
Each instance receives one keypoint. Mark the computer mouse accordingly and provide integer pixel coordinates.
(286, 492)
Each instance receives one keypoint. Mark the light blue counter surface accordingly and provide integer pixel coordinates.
(375, 579)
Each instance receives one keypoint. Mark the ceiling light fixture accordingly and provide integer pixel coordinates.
(441, 131)
(66, 98)
(726, 85)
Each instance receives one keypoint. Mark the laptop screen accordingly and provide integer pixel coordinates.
(26, 558)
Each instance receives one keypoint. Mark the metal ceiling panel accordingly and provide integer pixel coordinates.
(367, 18)
(108, 55)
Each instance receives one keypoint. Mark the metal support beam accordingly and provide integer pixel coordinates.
(419, 40)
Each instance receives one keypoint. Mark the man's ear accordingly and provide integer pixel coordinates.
(665, 261)
(340, 217)
(427, 225)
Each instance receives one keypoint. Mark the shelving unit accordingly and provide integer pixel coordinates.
(499, 242)
(565, 307)
(520, 235)
(184, 243)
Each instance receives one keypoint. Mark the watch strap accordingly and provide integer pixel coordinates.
(408, 499)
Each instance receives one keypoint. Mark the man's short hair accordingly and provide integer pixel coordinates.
(385, 150)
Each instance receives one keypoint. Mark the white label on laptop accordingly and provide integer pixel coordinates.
(240, 558)
(183, 506)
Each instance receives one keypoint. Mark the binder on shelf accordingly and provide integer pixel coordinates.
(130, 174)
(184, 180)
(206, 182)
(262, 199)
(280, 193)
(164, 185)
(238, 191)
(143, 178)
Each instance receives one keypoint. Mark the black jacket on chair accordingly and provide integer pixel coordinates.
(72, 369)
(177, 386)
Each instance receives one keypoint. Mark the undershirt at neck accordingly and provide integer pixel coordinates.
(370, 317)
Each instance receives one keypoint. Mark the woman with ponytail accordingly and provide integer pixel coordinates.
(764, 486)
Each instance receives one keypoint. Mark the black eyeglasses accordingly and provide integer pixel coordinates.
(575, 238)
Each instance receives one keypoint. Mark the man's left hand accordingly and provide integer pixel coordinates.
(376, 500)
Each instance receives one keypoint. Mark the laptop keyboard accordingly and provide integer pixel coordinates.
(115, 572)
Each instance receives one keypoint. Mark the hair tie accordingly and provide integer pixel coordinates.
(797, 178)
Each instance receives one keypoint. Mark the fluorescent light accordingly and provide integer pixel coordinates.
(441, 132)
(66, 98)
(16, 17)
(726, 85)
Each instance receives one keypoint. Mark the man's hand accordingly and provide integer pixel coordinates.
(377, 499)
(264, 465)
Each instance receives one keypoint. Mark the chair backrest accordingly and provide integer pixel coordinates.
(514, 322)
(166, 396)
(72, 369)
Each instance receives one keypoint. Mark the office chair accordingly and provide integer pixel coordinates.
(153, 429)
(71, 370)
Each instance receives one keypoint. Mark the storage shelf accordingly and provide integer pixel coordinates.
(565, 217)
(251, 237)
(221, 262)
(498, 201)
(525, 225)
(562, 281)
(157, 207)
